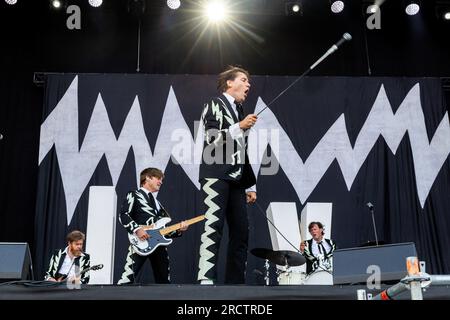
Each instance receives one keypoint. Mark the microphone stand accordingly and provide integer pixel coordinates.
(333, 48)
(374, 225)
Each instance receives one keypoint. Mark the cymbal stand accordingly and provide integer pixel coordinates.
(267, 276)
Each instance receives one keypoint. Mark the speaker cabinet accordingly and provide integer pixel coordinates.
(350, 265)
(15, 262)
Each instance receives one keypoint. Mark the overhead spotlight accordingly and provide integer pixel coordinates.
(412, 7)
(95, 3)
(293, 8)
(373, 8)
(11, 2)
(216, 11)
(443, 10)
(173, 4)
(56, 4)
(337, 6)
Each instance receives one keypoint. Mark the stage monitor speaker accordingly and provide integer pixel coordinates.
(350, 265)
(15, 262)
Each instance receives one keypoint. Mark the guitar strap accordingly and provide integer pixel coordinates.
(164, 212)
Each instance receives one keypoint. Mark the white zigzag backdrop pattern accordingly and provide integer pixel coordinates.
(77, 166)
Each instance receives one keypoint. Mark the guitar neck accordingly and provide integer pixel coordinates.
(178, 225)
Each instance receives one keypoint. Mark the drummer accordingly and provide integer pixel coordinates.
(318, 251)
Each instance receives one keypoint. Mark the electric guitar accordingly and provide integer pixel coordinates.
(63, 277)
(156, 232)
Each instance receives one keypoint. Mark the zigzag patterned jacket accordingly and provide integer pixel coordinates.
(223, 157)
(312, 263)
(57, 259)
(140, 209)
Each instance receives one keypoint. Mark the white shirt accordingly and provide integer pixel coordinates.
(315, 248)
(158, 206)
(235, 131)
(68, 266)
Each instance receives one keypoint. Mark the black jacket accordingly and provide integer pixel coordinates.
(138, 209)
(56, 262)
(230, 156)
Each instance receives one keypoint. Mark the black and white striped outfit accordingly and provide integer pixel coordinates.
(312, 255)
(141, 208)
(223, 184)
(57, 259)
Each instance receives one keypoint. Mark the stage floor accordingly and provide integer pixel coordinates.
(198, 292)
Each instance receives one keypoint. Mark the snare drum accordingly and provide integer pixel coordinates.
(291, 278)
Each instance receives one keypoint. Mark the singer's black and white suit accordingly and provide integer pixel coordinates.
(139, 208)
(57, 259)
(225, 173)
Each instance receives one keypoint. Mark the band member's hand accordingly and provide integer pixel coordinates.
(251, 197)
(141, 234)
(302, 246)
(183, 226)
(248, 122)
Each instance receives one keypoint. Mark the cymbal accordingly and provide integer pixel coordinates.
(281, 257)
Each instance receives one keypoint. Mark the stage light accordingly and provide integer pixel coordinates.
(443, 10)
(412, 8)
(173, 4)
(11, 2)
(374, 8)
(293, 8)
(215, 11)
(337, 6)
(95, 3)
(56, 4)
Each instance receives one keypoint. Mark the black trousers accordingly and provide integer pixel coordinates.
(159, 260)
(224, 200)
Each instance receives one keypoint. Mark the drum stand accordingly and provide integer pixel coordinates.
(267, 276)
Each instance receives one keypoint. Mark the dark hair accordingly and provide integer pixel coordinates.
(229, 74)
(75, 235)
(151, 172)
(316, 223)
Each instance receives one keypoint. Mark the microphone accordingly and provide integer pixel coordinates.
(345, 37)
(369, 205)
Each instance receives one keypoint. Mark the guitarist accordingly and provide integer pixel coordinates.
(141, 207)
(70, 262)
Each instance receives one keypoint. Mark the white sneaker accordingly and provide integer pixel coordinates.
(206, 282)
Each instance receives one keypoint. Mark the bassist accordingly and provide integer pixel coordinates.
(141, 208)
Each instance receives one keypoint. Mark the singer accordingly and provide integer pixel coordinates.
(224, 177)
(65, 262)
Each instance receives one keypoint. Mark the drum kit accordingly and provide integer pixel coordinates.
(288, 275)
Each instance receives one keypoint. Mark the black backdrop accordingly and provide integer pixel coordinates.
(34, 38)
(306, 113)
